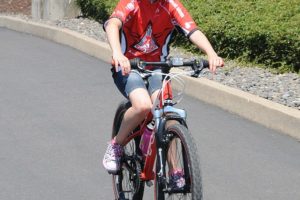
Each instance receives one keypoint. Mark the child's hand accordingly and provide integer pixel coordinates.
(214, 62)
(121, 61)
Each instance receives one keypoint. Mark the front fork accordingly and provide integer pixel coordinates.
(164, 118)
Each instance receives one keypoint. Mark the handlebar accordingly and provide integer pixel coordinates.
(196, 64)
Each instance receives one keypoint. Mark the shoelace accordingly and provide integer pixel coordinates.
(114, 150)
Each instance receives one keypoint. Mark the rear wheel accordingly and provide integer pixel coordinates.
(178, 153)
(126, 183)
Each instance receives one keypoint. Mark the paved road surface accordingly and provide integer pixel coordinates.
(56, 110)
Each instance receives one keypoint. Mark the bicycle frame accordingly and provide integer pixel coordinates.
(171, 146)
(161, 107)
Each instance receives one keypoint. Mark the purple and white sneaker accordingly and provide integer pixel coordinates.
(112, 157)
(176, 180)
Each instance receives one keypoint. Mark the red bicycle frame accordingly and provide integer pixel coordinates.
(149, 159)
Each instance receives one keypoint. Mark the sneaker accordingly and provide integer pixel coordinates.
(176, 180)
(112, 157)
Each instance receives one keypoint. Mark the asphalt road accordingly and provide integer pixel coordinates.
(56, 111)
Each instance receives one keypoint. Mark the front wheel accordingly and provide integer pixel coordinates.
(178, 153)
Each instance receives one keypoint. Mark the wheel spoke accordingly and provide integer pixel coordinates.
(181, 158)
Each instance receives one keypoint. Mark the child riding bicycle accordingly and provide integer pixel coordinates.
(142, 29)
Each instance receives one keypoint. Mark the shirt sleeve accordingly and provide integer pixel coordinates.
(182, 18)
(122, 11)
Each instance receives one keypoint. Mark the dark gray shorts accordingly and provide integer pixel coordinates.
(127, 84)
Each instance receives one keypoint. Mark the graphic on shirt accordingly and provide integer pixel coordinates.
(147, 43)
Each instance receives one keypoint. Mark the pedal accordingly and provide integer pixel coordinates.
(114, 172)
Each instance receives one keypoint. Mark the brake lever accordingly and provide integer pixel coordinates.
(198, 66)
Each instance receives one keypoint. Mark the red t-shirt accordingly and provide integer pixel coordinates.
(147, 27)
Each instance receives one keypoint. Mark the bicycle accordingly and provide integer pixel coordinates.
(171, 142)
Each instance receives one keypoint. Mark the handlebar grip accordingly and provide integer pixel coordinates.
(134, 63)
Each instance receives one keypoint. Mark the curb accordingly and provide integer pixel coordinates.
(64, 36)
(270, 114)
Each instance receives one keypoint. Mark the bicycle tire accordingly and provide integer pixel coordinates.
(126, 183)
(186, 159)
